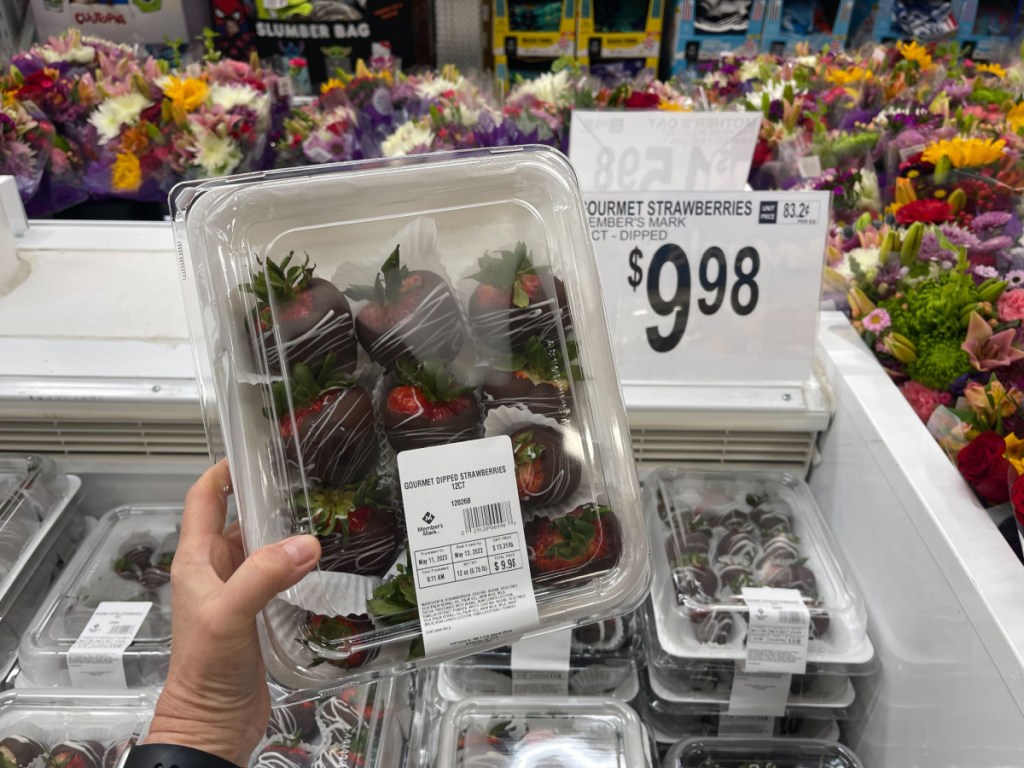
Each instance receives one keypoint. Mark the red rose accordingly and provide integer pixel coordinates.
(982, 464)
(641, 100)
(1017, 497)
(928, 211)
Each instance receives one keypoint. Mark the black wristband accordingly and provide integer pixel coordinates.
(172, 756)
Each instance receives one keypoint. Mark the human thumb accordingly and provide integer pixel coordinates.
(268, 571)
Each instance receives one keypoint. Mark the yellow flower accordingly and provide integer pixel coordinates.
(127, 172)
(332, 84)
(1015, 452)
(965, 152)
(1015, 117)
(187, 94)
(993, 69)
(916, 53)
(848, 76)
(671, 106)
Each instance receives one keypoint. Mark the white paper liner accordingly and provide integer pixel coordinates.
(597, 680)
(329, 593)
(505, 420)
(470, 681)
(607, 644)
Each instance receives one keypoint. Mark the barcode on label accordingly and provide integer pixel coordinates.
(790, 617)
(121, 629)
(487, 515)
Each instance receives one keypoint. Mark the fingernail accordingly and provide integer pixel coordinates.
(301, 549)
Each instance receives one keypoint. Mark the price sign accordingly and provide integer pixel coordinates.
(711, 288)
(651, 150)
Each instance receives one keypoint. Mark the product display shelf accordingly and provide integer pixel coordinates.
(827, 24)
(693, 42)
(988, 28)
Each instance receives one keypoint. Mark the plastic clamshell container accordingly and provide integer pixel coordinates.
(781, 753)
(36, 518)
(366, 725)
(704, 726)
(767, 528)
(603, 660)
(102, 721)
(552, 731)
(441, 215)
(137, 540)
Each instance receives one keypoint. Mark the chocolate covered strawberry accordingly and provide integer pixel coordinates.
(694, 579)
(308, 315)
(534, 378)
(545, 472)
(357, 526)
(511, 304)
(20, 751)
(690, 536)
(712, 627)
(76, 754)
(294, 722)
(429, 407)
(329, 633)
(394, 602)
(790, 575)
(283, 755)
(407, 314)
(330, 425)
(581, 543)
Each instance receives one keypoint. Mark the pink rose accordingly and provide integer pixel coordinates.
(1011, 305)
(924, 401)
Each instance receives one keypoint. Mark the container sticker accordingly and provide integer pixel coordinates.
(96, 660)
(759, 693)
(810, 166)
(540, 664)
(777, 632)
(745, 726)
(466, 539)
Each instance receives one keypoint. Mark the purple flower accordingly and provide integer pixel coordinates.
(990, 220)
(1015, 278)
(985, 272)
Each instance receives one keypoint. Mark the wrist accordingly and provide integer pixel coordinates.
(223, 743)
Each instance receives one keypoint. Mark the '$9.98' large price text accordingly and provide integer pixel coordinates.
(713, 275)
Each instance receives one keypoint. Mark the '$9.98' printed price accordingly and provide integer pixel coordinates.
(714, 278)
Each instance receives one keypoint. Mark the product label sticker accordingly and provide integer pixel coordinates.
(908, 152)
(540, 664)
(778, 625)
(810, 166)
(759, 693)
(466, 539)
(745, 726)
(96, 660)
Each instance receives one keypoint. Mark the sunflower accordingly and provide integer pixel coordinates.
(965, 152)
(1015, 117)
(331, 85)
(992, 69)
(916, 53)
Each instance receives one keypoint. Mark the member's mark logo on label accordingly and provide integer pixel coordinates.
(428, 518)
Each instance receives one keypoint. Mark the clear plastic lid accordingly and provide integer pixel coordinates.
(31, 487)
(703, 726)
(366, 725)
(444, 299)
(742, 753)
(603, 658)
(500, 731)
(127, 557)
(87, 728)
(714, 533)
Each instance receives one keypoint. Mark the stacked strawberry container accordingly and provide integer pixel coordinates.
(715, 536)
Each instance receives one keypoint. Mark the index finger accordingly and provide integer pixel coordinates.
(206, 504)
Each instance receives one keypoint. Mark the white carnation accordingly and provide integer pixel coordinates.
(217, 155)
(867, 259)
(82, 54)
(241, 95)
(553, 88)
(406, 138)
(750, 70)
(117, 111)
(431, 89)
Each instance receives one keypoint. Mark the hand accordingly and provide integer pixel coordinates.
(216, 696)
